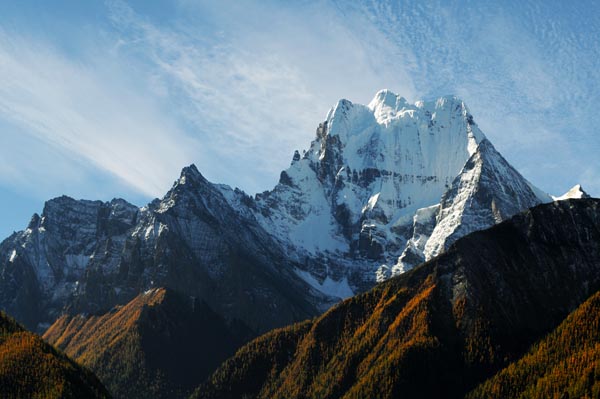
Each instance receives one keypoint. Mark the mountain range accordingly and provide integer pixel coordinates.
(381, 189)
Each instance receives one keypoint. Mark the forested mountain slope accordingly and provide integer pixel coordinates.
(159, 345)
(440, 329)
(30, 368)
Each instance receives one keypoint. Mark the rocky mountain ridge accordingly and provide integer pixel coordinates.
(88, 256)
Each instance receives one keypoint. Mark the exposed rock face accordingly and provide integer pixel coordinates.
(44, 265)
(86, 256)
(439, 329)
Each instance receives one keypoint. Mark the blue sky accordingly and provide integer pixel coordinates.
(103, 99)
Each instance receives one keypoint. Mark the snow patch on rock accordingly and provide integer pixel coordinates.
(339, 289)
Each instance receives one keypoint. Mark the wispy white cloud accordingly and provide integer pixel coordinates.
(91, 112)
(256, 89)
(236, 86)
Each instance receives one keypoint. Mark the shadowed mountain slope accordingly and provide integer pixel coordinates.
(565, 364)
(440, 329)
(159, 345)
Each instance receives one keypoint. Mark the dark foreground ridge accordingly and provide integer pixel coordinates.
(439, 330)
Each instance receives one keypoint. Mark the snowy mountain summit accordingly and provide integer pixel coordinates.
(386, 186)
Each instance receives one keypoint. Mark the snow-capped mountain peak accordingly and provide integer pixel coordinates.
(387, 105)
(355, 196)
(576, 192)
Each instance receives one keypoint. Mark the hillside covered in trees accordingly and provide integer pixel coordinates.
(565, 364)
(439, 330)
(159, 345)
(30, 368)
